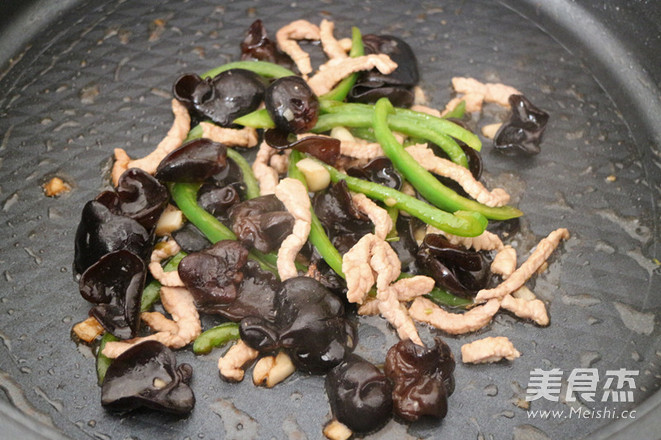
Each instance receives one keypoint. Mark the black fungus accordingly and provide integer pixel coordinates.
(400, 52)
(195, 161)
(213, 275)
(406, 246)
(115, 284)
(261, 223)
(255, 295)
(146, 375)
(396, 86)
(100, 232)
(460, 271)
(222, 99)
(344, 223)
(379, 170)
(292, 104)
(140, 197)
(230, 175)
(257, 46)
(218, 200)
(360, 395)
(522, 134)
(308, 323)
(190, 239)
(323, 148)
(423, 379)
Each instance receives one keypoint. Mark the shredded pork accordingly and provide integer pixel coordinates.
(266, 176)
(378, 215)
(544, 249)
(331, 46)
(287, 37)
(294, 196)
(338, 69)
(121, 164)
(487, 241)
(476, 92)
(280, 162)
(371, 261)
(534, 310)
(178, 302)
(236, 137)
(231, 365)
(407, 289)
(424, 310)
(443, 167)
(166, 250)
(357, 270)
(487, 350)
(397, 315)
(504, 263)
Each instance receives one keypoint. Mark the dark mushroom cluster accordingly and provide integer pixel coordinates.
(396, 86)
(256, 45)
(147, 375)
(417, 382)
(344, 223)
(308, 322)
(113, 239)
(360, 394)
(460, 271)
(261, 223)
(422, 379)
(292, 104)
(221, 99)
(195, 161)
(224, 282)
(522, 134)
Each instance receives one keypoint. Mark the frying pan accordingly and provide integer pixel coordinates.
(79, 78)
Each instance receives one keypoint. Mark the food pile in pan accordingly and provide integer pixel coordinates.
(360, 201)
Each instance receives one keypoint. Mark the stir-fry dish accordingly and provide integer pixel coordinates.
(361, 200)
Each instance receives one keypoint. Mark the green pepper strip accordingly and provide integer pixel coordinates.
(457, 112)
(317, 235)
(438, 124)
(252, 186)
(215, 337)
(358, 117)
(185, 196)
(257, 119)
(102, 361)
(263, 68)
(430, 188)
(343, 88)
(393, 213)
(464, 223)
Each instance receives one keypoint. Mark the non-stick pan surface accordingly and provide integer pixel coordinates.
(98, 77)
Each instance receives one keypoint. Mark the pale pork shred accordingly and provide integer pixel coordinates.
(294, 196)
(487, 350)
(231, 366)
